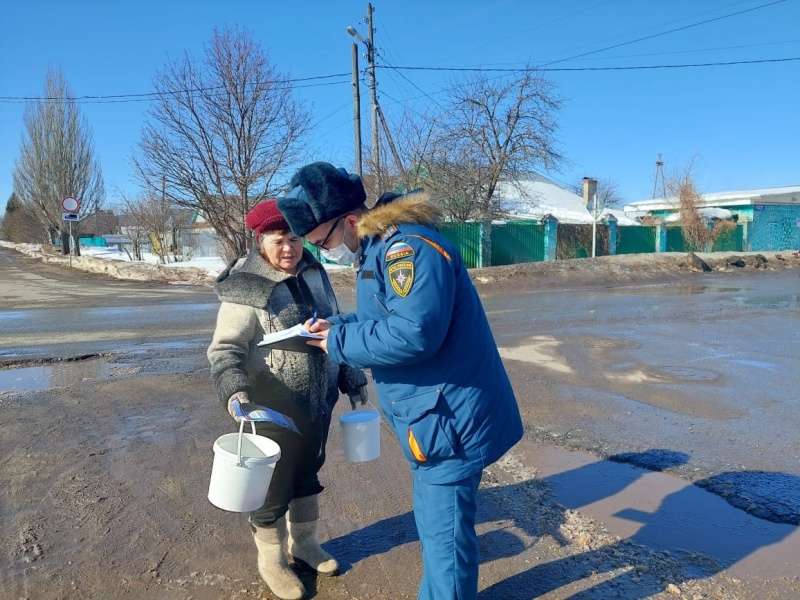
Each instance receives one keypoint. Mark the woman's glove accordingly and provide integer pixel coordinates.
(360, 395)
(243, 399)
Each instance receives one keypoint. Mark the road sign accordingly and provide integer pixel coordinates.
(68, 216)
(70, 205)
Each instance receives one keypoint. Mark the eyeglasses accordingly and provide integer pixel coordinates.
(327, 237)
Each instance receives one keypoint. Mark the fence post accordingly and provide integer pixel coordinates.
(661, 236)
(745, 241)
(485, 244)
(550, 236)
(611, 222)
(708, 246)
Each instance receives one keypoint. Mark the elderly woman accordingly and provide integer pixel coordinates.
(277, 285)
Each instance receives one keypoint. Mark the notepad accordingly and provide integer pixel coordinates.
(292, 339)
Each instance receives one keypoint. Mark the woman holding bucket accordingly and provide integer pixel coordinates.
(278, 285)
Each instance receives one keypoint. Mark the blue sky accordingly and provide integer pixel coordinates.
(741, 122)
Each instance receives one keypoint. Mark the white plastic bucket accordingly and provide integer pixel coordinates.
(361, 435)
(242, 469)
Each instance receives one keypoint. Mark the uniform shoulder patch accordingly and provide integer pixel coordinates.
(399, 250)
(401, 277)
(388, 233)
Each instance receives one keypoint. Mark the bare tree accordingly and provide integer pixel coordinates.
(153, 220)
(699, 232)
(220, 131)
(495, 129)
(57, 159)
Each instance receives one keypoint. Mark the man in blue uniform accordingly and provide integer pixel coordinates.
(421, 329)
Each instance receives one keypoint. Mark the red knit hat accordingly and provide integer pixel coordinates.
(265, 216)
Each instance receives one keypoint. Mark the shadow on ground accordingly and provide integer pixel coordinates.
(634, 568)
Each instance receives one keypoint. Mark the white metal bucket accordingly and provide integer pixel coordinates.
(361, 435)
(242, 469)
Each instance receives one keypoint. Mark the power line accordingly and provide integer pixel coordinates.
(655, 35)
(659, 25)
(562, 69)
(146, 97)
(420, 90)
(694, 50)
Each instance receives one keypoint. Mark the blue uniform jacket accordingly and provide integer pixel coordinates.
(421, 329)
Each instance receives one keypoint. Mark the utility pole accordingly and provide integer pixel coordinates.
(373, 92)
(356, 109)
(659, 173)
(372, 86)
(398, 163)
(594, 226)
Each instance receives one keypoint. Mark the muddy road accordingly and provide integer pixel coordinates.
(687, 382)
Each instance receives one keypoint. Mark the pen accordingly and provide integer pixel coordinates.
(314, 318)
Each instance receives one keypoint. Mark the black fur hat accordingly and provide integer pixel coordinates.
(320, 192)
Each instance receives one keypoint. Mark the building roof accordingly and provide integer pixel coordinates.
(777, 195)
(537, 196)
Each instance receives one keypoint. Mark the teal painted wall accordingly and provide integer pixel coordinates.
(774, 228)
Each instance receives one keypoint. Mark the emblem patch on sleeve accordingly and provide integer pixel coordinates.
(399, 250)
(401, 276)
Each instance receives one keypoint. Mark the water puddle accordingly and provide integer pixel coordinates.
(177, 345)
(664, 512)
(790, 301)
(689, 374)
(12, 315)
(756, 363)
(43, 377)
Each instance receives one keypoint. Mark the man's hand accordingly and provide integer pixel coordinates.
(319, 327)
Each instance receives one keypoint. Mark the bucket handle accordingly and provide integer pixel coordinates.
(239, 444)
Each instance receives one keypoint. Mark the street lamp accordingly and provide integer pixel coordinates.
(357, 35)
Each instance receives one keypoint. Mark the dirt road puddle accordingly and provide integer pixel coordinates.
(43, 377)
(664, 512)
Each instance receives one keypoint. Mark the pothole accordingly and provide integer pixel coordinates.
(56, 374)
(685, 373)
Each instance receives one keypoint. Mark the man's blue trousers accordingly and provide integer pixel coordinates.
(445, 517)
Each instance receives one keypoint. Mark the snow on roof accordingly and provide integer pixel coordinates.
(536, 197)
(777, 195)
(708, 213)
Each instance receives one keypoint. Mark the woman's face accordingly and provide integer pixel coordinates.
(282, 250)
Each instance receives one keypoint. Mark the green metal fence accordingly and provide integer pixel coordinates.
(675, 241)
(514, 243)
(730, 240)
(97, 242)
(467, 238)
(522, 242)
(635, 239)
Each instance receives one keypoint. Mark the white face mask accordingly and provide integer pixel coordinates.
(341, 254)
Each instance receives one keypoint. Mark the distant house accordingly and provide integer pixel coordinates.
(196, 238)
(770, 217)
(536, 196)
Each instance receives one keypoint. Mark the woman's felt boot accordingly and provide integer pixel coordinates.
(303, 518)
(273, 564)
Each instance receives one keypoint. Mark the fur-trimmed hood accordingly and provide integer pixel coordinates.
(415, 207)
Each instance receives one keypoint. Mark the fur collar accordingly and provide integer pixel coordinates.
(415, 207)
(250, 280)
